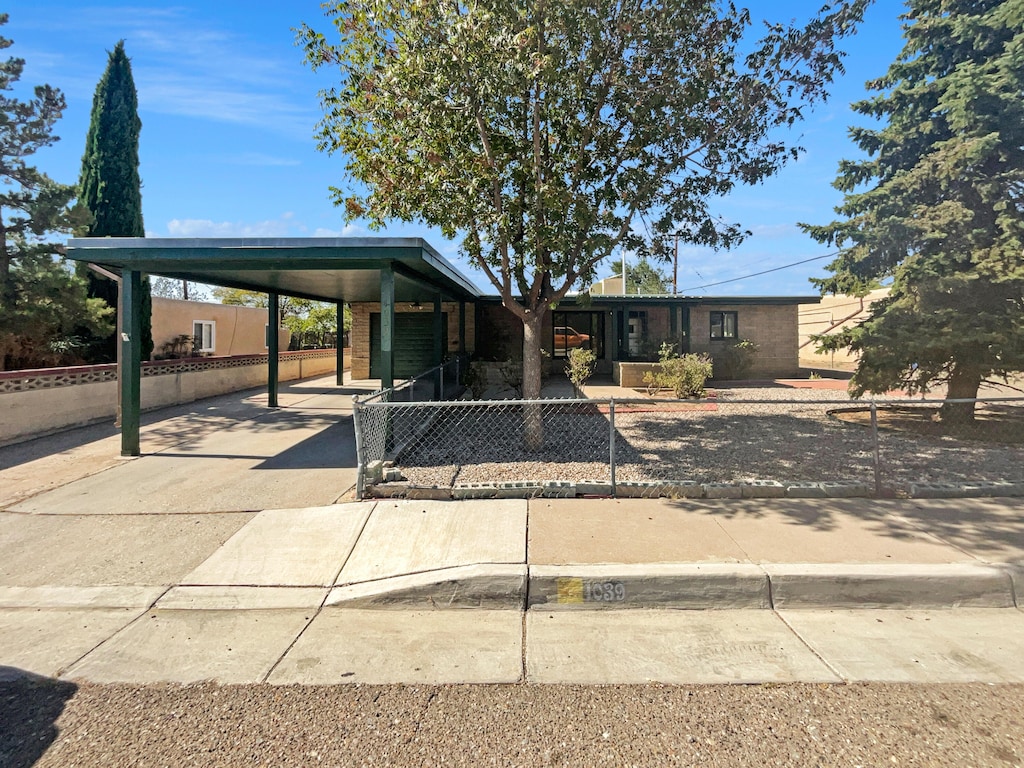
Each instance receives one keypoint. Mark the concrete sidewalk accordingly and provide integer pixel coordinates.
(222, 554)
(295, 595)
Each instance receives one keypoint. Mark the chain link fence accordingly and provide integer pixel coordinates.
(799, 446)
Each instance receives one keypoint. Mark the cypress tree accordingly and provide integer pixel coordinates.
(109, 185)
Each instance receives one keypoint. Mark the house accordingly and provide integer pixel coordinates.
(617, 328)
(183, 328)
(399, 276)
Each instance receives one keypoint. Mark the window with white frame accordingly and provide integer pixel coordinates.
(204, 333)
(723, 325)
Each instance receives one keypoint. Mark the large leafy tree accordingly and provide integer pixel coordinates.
(548, 133)
(109, 185)
(936, 210)
(41, 299)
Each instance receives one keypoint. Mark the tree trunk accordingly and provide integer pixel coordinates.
(964, 381)
(533, 416)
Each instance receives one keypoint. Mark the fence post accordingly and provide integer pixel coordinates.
(440, 388)
(611, 440)
(874, 437)
(360, 458)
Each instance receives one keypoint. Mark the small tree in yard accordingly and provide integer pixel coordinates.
(549, 133)
(579, 366)
(938, 208)
(685, 375)
(41, 299)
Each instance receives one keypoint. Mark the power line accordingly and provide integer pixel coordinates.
(758, 274)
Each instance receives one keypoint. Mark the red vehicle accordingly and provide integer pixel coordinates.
(567, 338)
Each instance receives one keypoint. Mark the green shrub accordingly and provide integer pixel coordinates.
(474, 378)
(735, 361)
(684, 375)
(579, 366)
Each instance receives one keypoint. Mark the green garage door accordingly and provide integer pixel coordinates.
(414, 343)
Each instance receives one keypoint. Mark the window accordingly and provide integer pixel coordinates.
(578, 330)
(723, 325)
(204, 336)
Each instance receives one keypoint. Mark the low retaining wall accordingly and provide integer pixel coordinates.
(48, 399)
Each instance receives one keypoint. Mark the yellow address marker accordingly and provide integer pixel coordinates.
(570, 590)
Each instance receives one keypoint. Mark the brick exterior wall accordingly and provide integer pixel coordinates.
(360, 333)
(773, 328)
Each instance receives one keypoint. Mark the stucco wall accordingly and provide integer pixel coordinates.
(773, 328)
(360, 334)
(88, 394)
(237, 330)
(830, 316)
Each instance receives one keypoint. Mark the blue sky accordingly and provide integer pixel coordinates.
(228, 112)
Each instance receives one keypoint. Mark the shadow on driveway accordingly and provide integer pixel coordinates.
(29, 708)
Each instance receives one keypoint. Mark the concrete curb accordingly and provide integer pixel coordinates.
(467, 586)
(692, 586)
(128, 597)
(953, 585)
(233, 598)
(392, 487)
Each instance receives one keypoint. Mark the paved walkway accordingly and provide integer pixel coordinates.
(222, 554)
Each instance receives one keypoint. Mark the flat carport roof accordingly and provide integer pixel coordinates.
(325, 269)
(342, 269)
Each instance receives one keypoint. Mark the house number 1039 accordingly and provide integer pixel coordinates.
(604, 591)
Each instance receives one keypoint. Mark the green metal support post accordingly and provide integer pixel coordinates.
(387, 327)
(273, 323)
(462, 327)
(340, 344)
(438, 347)
(131, 359)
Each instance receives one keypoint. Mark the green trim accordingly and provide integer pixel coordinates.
(131, 361)
(273, 348)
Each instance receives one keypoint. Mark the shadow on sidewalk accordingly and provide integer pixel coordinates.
(986, 527)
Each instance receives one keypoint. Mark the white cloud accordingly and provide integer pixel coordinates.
(349, 230)
(184, 63)
(279, 227)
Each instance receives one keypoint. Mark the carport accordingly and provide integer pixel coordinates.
(335, 270)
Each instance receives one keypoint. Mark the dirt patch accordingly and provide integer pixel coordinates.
(992, 423)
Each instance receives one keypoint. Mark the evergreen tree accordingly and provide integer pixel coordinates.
(109, 185)
(642, 277)
(937, 208)
(41, 299)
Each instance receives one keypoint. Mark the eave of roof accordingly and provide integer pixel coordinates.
(327, 269)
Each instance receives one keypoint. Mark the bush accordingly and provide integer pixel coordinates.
(684, 375)
(579, 366)
(474, 378)
(734, 361)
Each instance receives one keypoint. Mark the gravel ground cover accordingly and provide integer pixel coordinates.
(739, 434)
(50, 723)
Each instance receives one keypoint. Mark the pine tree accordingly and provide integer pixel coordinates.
(109, 185)
(41, 299)
(937, 208)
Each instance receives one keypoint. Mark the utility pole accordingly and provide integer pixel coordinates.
(675, 266)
